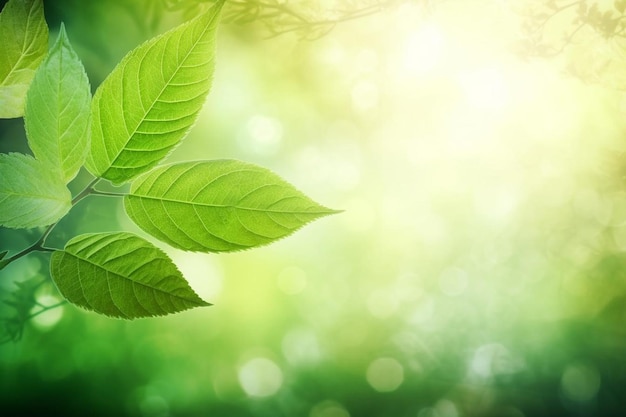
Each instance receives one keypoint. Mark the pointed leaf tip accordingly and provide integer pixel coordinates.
(147, 105)
(57, 110)
(218, 206)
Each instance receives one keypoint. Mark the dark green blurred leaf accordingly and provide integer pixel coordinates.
(21, 301)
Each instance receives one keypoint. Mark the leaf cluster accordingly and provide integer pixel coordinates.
(22, 305)
(137, 116)
(570, 19)
(308, 19)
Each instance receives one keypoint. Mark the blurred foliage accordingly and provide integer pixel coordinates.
(479, 268)
(309, 19)
(591, 34)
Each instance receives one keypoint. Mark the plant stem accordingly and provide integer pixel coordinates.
(107, 193)
(86, 191)
(37, 246)
(46, 308)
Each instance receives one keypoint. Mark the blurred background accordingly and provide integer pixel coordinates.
(479, 269)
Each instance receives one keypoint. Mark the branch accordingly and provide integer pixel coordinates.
(44, 309)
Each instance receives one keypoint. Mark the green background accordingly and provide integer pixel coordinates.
(479, 268)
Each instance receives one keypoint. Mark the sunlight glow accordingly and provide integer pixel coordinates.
(494, 359)
(453, 281)
(382, 303)
(262, 135)
(260, 377)
(365, 95)
(204, 273)
(300, 346)
(292, 280)
(329, 409)
(446, 408)
(423, 49)
(48, 318)
(485, 88)
(385, 374)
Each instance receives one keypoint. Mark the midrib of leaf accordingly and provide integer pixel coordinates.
(109, 271)
(168, 84)
(172, 200)
(58, 100)
(193, 202)
(25, 51)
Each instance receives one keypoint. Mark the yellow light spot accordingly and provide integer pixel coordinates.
(264, 135)
(260, 377)
(385, 374)
(423, 49)
(300, 346)
(203, 272)
(446, 408)
(382, 303)
(367, 60)
(329, 409)
(365, 95)
(485, 89)
(362, 215)
(292, 280)
(453, 281)
(47, 319)
(495, 359)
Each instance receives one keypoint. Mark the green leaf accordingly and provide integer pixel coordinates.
(29, 195)
(145, 107)
(57, 110)
(23, 44)
(215, 206)
(121, 275)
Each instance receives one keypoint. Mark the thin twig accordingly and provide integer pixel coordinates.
(44, 309)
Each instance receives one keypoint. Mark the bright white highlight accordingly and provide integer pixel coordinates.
(265, 135)
(260, 377)
(423, 49)
(385, 374)
(329, 409)
(365, 95)
(485, 89)
(48, 318)
(494, 359)
(300, 346)
(202, 271)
